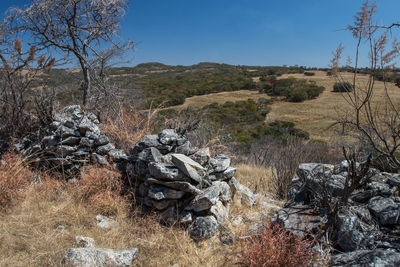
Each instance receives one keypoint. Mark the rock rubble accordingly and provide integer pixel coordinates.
(73, 139)
(365, 232)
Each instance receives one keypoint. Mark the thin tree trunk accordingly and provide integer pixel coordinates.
(86, 82)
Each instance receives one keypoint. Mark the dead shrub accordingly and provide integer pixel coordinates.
(276, 246)
(101, 189)
(128, 127)
(14, 179)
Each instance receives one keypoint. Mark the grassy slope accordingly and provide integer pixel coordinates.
(30, 233)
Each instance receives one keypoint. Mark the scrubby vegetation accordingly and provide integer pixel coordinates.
(293, 90)
(342, 87)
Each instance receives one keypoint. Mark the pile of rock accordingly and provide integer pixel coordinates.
(184, 183)
(73, 139)
(366, 231)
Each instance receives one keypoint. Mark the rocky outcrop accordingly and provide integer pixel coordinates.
(185, 184)
(365, 231)
(73, 139)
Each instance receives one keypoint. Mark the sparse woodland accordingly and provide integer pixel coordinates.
(108, 165)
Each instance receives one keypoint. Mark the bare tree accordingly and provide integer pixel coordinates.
(77, 27)
(374, 115)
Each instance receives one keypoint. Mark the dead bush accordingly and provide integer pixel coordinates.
(101, 189)
(128, 127)
(14, 179)
(276, 246)
(282, 158)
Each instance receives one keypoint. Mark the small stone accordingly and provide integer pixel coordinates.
(167, 136)
(65, 132)
(99, 159)
(50, 141)
(106, 222)
(160, 193)
(102, 150)
(203, 228)
(184, 149)
(220, 162)
(63, 151)
(202, 156)
(225, 193)
(182, 186)
(84, 242)
(101, 140)
(70, 141)
(150, 154)
(220, 212)
(86, 142)
(205, 200)
(100, 257)
(117, 154)
(146, 142)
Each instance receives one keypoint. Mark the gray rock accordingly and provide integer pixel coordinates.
(159, 204)
(73, 111)
(81, 153)
(65, 132)
(87, 125)
(189, 167)
(185, 217)
(182, 186)
(106, 222)
(101, 140)
(86, 142)
(349, 236)
(117, 154)
(384, 209)
(102, 150)
(243, 194)
(99, 159)
(84, 242)
(202, 156)
(146, 142)
(184, 149)
(394, 180)
(300, 219)
(167, 136)
(220, 163)
(98, 257)
(150, 154)
(50, 141)
(161, 192)
(205, 200)
(226, 175)
(92, 135)
(63, 151)
(203, 228)
(70, 141)
(367, 258)
(54, 125)
(220, 212)
(164, 171)
(309, 170)
(181, 140)
(225, 193)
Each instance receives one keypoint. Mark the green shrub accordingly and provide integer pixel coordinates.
(342, 87)
(309, 73)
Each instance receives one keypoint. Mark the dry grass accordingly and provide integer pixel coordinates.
(257, 178)
(42, 225)
(14, 179)
(128, 127)
(315, 116)
(220, 98)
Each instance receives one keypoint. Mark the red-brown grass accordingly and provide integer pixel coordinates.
(101, 188)
(276, 247)
(128, 127)
(14, 179)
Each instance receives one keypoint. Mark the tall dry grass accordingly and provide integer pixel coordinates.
(14, 179)
(129, 127)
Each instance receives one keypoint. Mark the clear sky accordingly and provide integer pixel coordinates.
(241, 32)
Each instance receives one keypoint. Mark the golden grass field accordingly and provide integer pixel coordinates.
(314, 116)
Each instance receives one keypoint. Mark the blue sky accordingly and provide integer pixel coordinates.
(242, 32)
